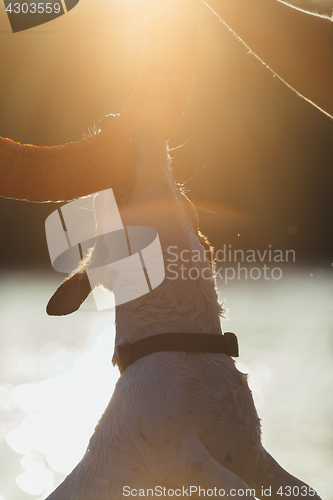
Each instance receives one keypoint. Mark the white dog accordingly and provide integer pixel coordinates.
(178, 420)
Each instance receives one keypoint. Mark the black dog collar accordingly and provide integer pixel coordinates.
(126, 354)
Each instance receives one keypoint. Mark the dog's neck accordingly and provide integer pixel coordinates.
(186, 301)
(176, 306)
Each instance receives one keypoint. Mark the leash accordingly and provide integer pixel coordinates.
(126, 353)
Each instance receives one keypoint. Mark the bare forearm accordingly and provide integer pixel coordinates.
(297, 46)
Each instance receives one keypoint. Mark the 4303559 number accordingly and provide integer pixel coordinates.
(34, 8)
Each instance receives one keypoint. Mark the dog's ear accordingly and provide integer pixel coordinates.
(69, 295)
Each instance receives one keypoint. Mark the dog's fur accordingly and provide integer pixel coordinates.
(175, 419)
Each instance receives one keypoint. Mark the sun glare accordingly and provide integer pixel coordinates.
(59, 413)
